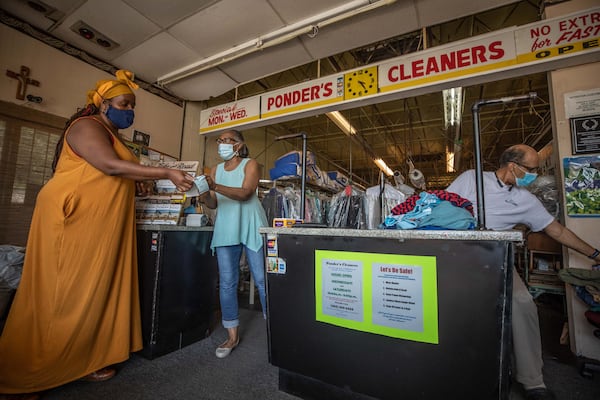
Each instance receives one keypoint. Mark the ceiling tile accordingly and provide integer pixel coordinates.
(202, 86)
(431, 12)
(393, 20)
(226, 24)
(292, 11)
(166, 13)
(160, 54)
(268, 61)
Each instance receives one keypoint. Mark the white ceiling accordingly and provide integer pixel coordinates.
(157, 37)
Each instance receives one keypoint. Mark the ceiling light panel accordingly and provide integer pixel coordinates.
(35, 16)
(93, 36)
(113, 19)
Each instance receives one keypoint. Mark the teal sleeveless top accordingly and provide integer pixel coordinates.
(237, 221)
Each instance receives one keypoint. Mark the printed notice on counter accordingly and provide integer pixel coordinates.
(385, 294)
(342, 294)
(398, 296)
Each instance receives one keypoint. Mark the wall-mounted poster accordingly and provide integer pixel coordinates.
(582, 186)
(585, 133)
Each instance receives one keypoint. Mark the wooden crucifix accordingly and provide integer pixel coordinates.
(24, 80)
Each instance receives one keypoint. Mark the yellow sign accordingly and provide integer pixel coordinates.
(385, 294)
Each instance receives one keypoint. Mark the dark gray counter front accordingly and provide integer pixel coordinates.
(178, 286)
(318, 360)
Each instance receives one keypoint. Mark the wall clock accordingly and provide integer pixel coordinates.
(360, 83)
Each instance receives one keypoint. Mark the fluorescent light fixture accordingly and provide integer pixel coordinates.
(383, 166)
(342, 123)
(453, 106)
(309, 25)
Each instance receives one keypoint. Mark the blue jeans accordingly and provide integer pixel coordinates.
(228, 258)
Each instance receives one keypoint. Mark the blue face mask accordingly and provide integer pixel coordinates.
(120, 118)
(526, 180)
(226, 151)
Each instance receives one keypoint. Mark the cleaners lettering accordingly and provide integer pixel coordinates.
(446, 62)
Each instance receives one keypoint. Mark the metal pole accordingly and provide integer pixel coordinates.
(477, 149)
(303, 184)
(381, 196)
(478, 169)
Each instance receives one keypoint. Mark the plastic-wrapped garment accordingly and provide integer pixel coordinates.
(273, 205)
(405, 189)
(292, 203)
(347, 210)
(546, 190)
(378, 204)
(11, 266)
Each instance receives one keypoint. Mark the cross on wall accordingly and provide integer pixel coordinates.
(23, 80)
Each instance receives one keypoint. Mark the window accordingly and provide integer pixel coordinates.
(27, 142)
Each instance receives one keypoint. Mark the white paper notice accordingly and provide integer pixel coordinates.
(398, 296)
(582, 103)
(342, 289)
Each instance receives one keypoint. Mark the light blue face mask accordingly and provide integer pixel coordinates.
(226, 151)
(526, 180)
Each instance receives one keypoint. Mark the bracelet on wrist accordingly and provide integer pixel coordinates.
(595, 254)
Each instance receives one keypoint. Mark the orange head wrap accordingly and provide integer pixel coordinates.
(107, 89)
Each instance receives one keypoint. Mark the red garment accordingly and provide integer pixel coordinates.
(408, 204)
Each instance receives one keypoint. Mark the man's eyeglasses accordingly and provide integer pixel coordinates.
(532, 170)
(226, 140)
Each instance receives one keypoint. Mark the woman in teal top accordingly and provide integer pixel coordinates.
(233, 186)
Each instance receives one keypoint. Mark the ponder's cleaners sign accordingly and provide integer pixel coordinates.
(509, 49)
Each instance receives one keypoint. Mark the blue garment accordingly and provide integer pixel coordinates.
(228, 258)
(447, 216)
(432, 213)
(411, 220)
(237, 222)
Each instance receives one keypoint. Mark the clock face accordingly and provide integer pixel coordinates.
(360, 83)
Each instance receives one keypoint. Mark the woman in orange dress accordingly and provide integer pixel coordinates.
(76, 311)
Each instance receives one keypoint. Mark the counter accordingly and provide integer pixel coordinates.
(389, 314)
(178, 286)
